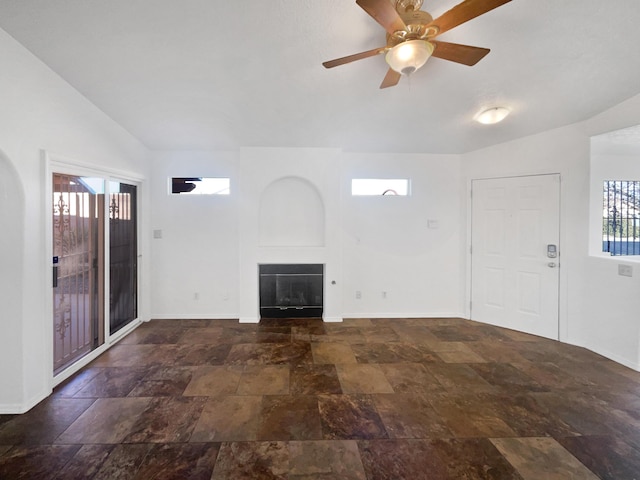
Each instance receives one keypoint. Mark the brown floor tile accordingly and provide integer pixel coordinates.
(332, 353)
(287, 417)
(211, 381)
(473, 458)
(314, 380)
(330, 460)
(166, 420)
(197, 336)
(471, 416)
(363, 378)
(37, 462)
(193, 461)
(410, 416)
(107, 420)
(43, 423)
(111, 382)
(123, 462)
(401, 459)
(293, 398)
(410, 378)
(164, 382)
(392, 353)
(536, 458)
(153, 336)
(411, 333)
(507, 377)
(197, 355)
(122, 355)
(264, 380)
(459, 377)
(379, 334)
(229, 418)
(608, 457)
(252, 460)
(349, 417)
(456, 352)
(85, 463)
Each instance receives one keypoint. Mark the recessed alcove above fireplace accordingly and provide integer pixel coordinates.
(291, 290)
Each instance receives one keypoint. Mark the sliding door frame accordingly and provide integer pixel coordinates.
(58, 164)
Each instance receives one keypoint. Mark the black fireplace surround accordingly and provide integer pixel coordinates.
(291, 290)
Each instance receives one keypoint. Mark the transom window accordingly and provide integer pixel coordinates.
(200, 186)
(380, 186)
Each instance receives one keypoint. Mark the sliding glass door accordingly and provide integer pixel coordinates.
(78, 267)
(123, 255)
(95, 263)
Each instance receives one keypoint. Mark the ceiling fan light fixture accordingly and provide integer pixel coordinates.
(492, 115)
(409, 56)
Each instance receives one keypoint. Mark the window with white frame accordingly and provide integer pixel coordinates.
(380, 186)
(200, 186)
(621, 217)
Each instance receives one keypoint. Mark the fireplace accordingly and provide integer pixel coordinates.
(291, 290)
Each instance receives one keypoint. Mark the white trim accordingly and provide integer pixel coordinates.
(61, 164)
(404, 315)
(194, 316)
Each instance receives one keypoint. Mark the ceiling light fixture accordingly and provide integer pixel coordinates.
(492, 115)
(409, 56)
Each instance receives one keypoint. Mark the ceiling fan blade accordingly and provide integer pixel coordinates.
(463, 12)
(391, 79)
(383, 13)
(353, 58)
(455, 52)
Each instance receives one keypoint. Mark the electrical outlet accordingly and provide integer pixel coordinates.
(358, 294)
(196, 296)
(384, 294)
(625, 270)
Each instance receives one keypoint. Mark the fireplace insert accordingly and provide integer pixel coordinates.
(291, 290)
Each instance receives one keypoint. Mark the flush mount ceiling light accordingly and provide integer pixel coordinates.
(409, 56)
(492, 115)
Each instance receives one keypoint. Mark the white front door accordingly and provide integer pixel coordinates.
(514, 229)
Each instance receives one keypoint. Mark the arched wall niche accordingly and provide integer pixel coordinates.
(292, 214)
(12, 213)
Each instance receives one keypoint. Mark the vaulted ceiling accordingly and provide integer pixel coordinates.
(212, 74)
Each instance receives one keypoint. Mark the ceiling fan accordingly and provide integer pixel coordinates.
(411, 34)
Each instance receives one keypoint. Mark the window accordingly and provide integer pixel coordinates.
(200, 186)
(380, 186)
(621, 217)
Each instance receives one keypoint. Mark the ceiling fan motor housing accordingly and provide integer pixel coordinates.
(416, 22)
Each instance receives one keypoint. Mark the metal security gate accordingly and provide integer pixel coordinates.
(621, 217)
(78, 267)
(123, 255)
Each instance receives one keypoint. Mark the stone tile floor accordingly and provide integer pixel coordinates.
(364, 399)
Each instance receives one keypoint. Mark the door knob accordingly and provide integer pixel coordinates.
(551, 265)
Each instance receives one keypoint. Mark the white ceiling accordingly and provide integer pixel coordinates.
(212, 74)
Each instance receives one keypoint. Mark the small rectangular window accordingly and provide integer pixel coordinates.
(380, 186)
(621, 217)
(200, 186)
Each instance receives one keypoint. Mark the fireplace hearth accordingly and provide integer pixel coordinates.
(291, 290)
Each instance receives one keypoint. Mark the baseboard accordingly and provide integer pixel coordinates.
(332, 319)
(194, 316)
(610, 355)
(403, 315)
(18, 409)
(249, 320)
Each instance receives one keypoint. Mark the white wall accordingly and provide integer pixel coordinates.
(371, 244)
(198, 251)
(40, 112)
(598, 308)
(388, 245)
